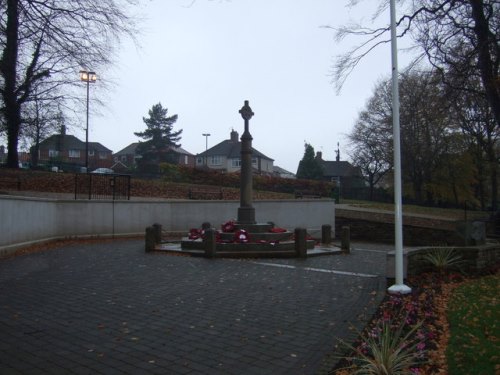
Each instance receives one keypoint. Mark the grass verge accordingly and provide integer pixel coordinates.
(473, 315)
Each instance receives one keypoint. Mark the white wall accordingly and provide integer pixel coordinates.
(24, 220)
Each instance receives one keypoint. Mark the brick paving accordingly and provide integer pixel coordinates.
(110, 308)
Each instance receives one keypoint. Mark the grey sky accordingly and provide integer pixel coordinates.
(202, 60)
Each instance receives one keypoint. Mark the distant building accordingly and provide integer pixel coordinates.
(126, 156)
(349, 176)
(69, 150)
(226, 156)
(283, 173)
(129, 158)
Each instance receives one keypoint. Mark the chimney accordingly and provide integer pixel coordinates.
(319, 155)
(63, 130)
(234, 136)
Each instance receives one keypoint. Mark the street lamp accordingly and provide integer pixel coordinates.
(89, 77)
(206, 135)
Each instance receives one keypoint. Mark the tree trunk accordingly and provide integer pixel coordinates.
(489, 75)
(8, 66)
(13, 124)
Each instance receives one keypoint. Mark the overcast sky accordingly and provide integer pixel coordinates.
(202, 59)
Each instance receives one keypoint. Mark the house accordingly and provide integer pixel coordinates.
(283, 173)
(126, 156)
(226, 157)
(129, 158)
(343, 172)
(67, 150)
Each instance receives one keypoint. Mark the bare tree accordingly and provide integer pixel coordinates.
(475, 119)
(429, 139)
(41, 117)
(49, 41)
(425, 124)
(370, 140)
(446, 32)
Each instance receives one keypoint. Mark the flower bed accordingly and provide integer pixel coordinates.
(408, 331)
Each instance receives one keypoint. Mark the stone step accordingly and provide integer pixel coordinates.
(267, 236)
(187, 244)
(254, 228)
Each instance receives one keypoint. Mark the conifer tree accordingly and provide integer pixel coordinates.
(159, 135)
(309, 167)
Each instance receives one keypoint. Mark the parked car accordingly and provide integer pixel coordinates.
(103, 171)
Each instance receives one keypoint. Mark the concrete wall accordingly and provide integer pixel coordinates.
(24, 220)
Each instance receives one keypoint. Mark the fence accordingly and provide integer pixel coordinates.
(102, 186)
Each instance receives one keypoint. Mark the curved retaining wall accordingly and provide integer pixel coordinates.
(25, 220)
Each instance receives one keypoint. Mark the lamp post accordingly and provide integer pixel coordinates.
(206, 135)
(89, 77)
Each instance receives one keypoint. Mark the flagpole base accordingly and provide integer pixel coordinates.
(399, 289)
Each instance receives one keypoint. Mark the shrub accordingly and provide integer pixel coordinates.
(388, 349)
(443, 259)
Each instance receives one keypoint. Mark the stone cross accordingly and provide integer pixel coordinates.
(246, 212)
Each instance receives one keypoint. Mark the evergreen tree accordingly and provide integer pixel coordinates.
(159, 136)
(309, 167)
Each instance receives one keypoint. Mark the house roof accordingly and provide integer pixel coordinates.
(98, 147)
(57, 140)
(339, 169)
(281, 170)
(231, 149)
(70, 142)
(129, 150)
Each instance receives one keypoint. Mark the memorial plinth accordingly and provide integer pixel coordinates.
(259, 239)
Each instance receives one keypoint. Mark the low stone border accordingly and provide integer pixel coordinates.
(474, 258)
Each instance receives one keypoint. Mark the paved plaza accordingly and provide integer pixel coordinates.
(111, 308)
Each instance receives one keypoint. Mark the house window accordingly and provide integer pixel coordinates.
(74, 153)
(102, 155)
(186, 160)
(124, 158)
(216, 160)
(236, 163)
(199, 161)
(53, 153)
(91, 152)
(254, 161)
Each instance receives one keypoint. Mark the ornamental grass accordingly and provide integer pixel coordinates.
(406, 332)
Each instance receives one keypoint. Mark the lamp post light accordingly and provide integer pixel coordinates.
(206, 135)
(89, 77)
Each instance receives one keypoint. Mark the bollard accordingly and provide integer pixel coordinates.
(210, 243)
(301, 242)
(157, 232)
(345, 240)
(150, 239)
(326, 234)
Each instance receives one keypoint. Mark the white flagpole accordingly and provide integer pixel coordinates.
(399, 286)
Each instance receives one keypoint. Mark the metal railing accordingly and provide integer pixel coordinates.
(102, 186)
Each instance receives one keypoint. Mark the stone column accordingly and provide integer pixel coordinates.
(246, 212)
(301, 242)
(210, 243)
(345, 239)
(326, 234)
(150, 239)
